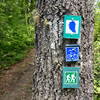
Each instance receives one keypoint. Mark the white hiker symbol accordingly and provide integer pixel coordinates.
(68, 78)
(73, 78)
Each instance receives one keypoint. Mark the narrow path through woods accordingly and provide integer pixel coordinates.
(16, 83)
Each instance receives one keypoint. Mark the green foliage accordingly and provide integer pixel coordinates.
(17, 35)
(16, 32)
(98, 4)
(97, 55)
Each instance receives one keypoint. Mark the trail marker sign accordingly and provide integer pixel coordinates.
(72, 53)
(70, 77)
(72, 26)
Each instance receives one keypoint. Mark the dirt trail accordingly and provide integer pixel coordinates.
(16, 83)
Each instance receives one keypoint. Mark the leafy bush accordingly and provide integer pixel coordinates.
(97, 57)
(16, 33)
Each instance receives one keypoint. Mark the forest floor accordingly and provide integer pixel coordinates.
(16, 82)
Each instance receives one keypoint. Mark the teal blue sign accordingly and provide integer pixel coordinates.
(70, 77)
(72, 26)
(72, 53)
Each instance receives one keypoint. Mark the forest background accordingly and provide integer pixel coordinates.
(17, 30)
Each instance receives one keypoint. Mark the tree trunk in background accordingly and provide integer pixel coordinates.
(50, 50)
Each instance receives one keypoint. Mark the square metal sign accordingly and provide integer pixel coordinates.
(70, 77)
(72, 26)
(72, 53)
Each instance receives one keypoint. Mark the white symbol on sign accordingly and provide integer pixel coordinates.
(73, 78)
(70, 78)
(72, 27)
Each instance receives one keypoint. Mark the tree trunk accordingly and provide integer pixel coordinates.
(50, 50)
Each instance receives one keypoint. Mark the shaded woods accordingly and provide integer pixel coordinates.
(17, 35)
(97, 52)
(16, 30)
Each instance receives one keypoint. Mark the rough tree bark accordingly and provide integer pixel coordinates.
(50, 54)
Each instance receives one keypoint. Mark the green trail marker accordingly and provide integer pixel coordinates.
(70, 77)
(72, 26)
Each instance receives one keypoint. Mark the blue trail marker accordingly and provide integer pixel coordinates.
(72, 53)
(72, 26)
